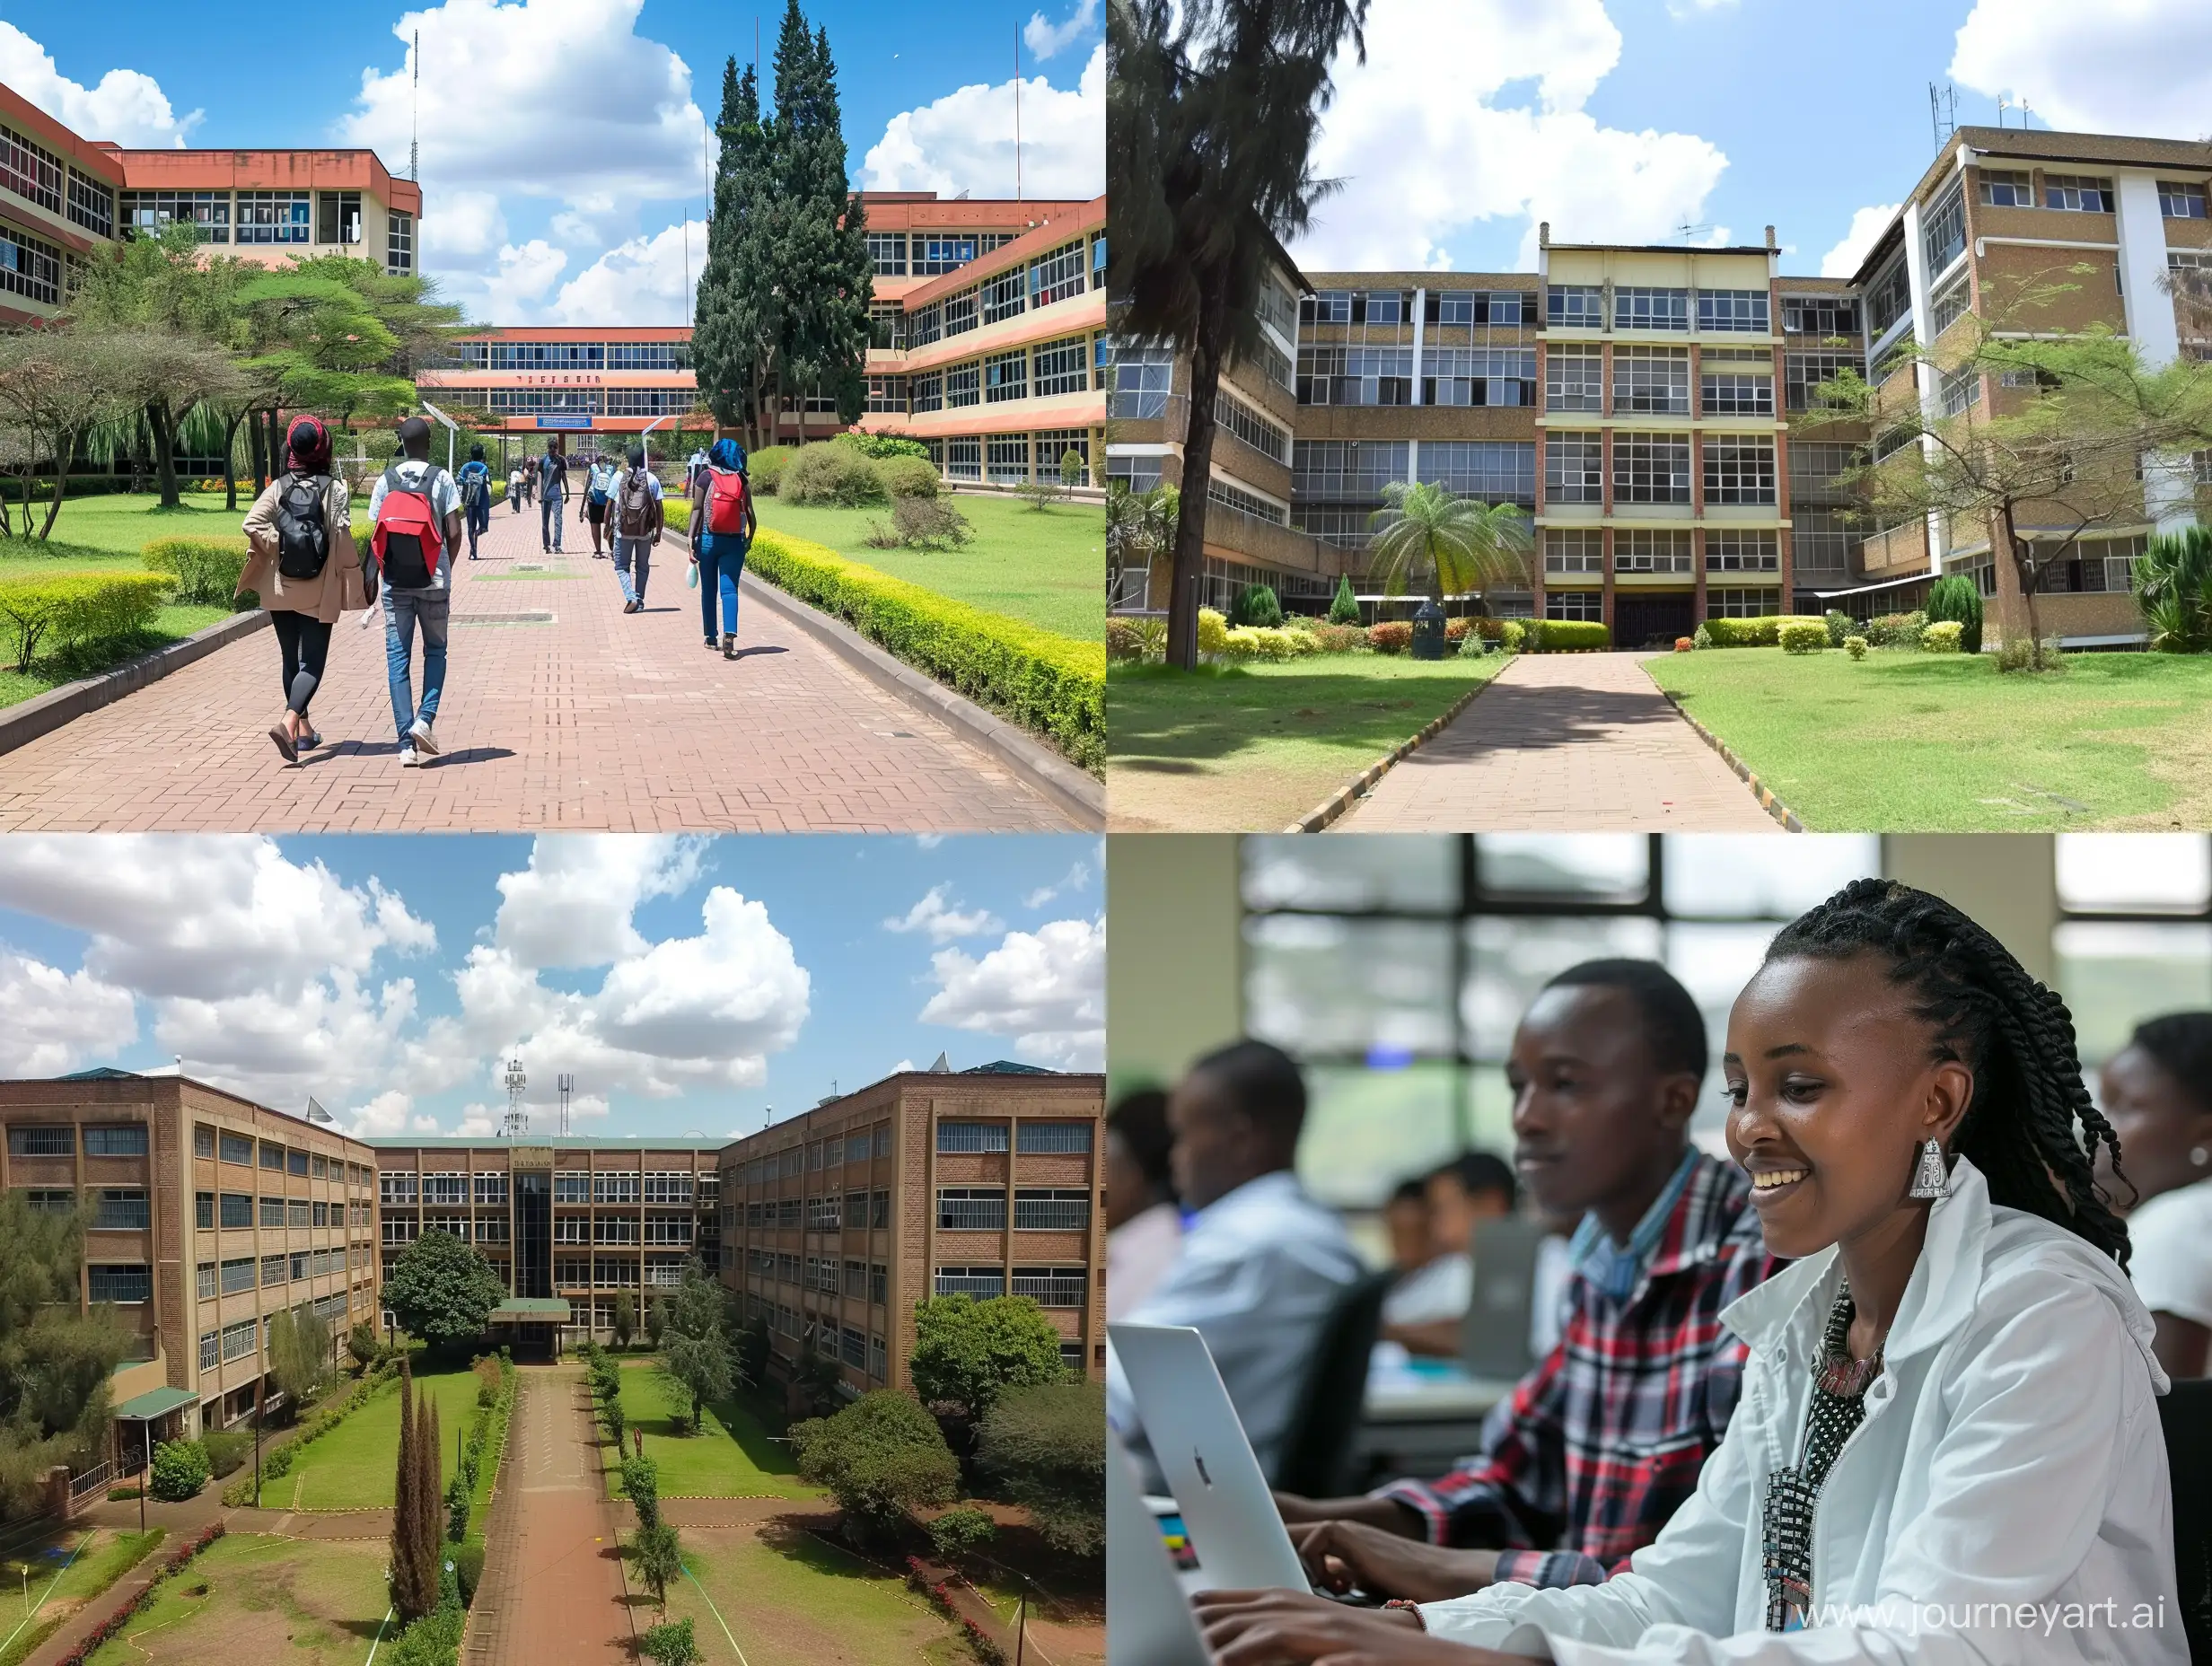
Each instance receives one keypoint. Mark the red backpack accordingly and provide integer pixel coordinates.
(409, 538)
(725, 501)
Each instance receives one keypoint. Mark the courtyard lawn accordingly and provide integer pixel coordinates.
(126, 521)
(785, 1594)
(259, 1597)
(731, 1457)
(23, 557)
(60, 1585)
(1906, 741)
(350, 1468)
(1251, 748)
(1048, 569)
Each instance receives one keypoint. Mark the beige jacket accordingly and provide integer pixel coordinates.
(340, 587)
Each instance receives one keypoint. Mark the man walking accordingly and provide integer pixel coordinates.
(475, 481)
(598, 494)
(637, 517)
(416, 509)
(552, 497)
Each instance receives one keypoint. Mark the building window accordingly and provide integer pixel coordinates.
(1819, 541)
(238, 1274)
(879, 1285)
(1572, 551)
(210, 1350)
(1003, 297)
(964, 457)
(614, 1188)
(121, 1210)
(398, 1189)
(2181, 199)
(935, 256)
(982, 1283)
(2078, 193)
(272, 1211)
(1250, 426)
(274, 216)
(1575, 306)
(399, 244)
(203, 1281)
(1651, 468)
(1050, 1287)
(1651, 549)
(963, 386)
(489, 1189)
(2001, 190)
(1735, 393)
(1734, 551)
(295, 1162)
(1575, 468)
(1822, 316)
(878, 1211)
(1472, 376)
(237, 1209)
(887, 253)
(207, 212)
(337, 217)
(1497, 471)
(1742, 604)
(203, 1211)
(275, 1269)
(1478, 307)
(30, 170)
(239, 1339)
(1636, 307)
(59, 1140)
(1650, 382)
(296, 1213)
(1586, 606)
(1053, 445)
(1943, 233)
(887, 396)
(1057, 276)
(1733, 310)
(1889, 298)
(272, 1155)
(1143, 378)
(971, 1137)
(1574, 381)
(1342, 375)
(1006, 376)
(972, 1209)
(1006, 459)
(1958, 391)
(92, 205)
(1950, 304)
(1051, 1211)
(445, 1189)
(1053, 1136)
(203, 1140)
(1802, 372)
(1739, 470)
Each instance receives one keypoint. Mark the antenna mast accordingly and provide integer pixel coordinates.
(517, 1123)
(1943, 112)
(415, 114)
(1017, 112)
(565, 1082)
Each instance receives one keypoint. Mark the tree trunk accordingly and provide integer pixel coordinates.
(230, 463)
(163, 424)
(2024, 567)
(65, 453)
(1183, 604)
(260, 442)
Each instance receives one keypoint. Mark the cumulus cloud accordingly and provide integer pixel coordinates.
(941, 918)
(645, 280)
(461, 225)
(1867, 224)
(1044, 990)
(1045, 38)
(126, 106)
(58, 1021)
(964, 141)
(2091, 68)
(1512, 155)
(571, 905)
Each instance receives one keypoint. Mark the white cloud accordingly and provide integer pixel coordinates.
(2141, 67)
(1045, 989)
(126, 106)
(57, 1021)
(1045, 38)
(964, 141)
(572, 905)
(643, 281)
(1681, 9)
(1866, 225)
(384, 1113)
(461, 225)
(942, 919)
(1077, 877)
(1425, 157)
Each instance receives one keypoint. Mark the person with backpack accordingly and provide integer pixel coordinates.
(636, 506)
(306, 570)
(475, 481)
(552, 497)
(597, 493)
(417, 510)
(723, 525)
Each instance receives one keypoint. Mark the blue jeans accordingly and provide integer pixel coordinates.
(628, 550)
(403, 610)
(549, 519)
(479, 522)
(721, 560)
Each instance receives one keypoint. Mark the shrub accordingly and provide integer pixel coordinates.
(1942, 636)
(434, 1640)
(1514, 636)
(1391, 636)
(468, 1569)
(882, 1457)
(1561, 635)
(1334, 638)
(74, 609)
(1759, 633)
(882, 446)
(1343, 607)
(1955, 599)
(226, 1450)
(1897, 630)
(206, 569)
(1702, 637)
(1249, 642)
(921, 523)
(1682, 645)
(180, 1469)
(831, 474)
(1841, 628)
(641, 1481)
(1802, 636)
(907, 476)
(1213, 632)
(1124, 641)
(961, 1529)
(2017, 654)
(670, 1644)
(1256, 604)
(487, 1380)
(1458, 630)
(1856, 647)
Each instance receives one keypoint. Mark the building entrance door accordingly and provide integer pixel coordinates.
(1643, 620)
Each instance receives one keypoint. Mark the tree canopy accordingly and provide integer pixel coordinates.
(54, 1363)
(966, 1351)
(1046, 1448)
(696, 1348)
(442, 1290)
(882, 1458)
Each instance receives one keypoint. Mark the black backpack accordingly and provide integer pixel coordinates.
(636, 516)
(303, 538)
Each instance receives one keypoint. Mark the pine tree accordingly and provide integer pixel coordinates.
(740, 301)
(406, 1594)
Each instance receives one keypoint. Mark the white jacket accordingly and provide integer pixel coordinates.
(2010, 1455)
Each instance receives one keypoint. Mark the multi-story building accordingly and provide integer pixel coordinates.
(206, 1215)
(983, 1182)
(64, 197)
(560, 1218)
(1650, 407)
(563, 380)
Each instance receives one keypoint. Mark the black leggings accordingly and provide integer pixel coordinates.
(306, 643)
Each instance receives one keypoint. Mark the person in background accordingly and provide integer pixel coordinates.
(474, 479)
(1405, 1227)
(416, 509)
(2157, 1090)
(1606, 1068)
(1143, 1228)
(516, 480)
(1262, 1266)
(552, 497)
(636, 509)
(722, 492)
(597, 493)
(1425, 1312)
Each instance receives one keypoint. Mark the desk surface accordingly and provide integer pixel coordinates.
(1429, 1394)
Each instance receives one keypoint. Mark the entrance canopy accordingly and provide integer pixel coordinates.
(154, 1403)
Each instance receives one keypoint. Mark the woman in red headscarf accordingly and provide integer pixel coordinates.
(306, 570)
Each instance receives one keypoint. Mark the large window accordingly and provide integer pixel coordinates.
(1733, 310)
(1739, 468)
(887, 253)
(400, 243)
(1497, 471)
(972, 1209)
(119, 1140)
(30, 267)
(1063, 367)
(1479, 307)
(1821, 316)
(1574, 552)
(275, 216)
(1736, 551)
(92, 205)
(1478, 376)
(1802, 372)
(1650, 382)
(30, 170)
(1342, 375)
(1575, 306)
(120, 1209)
(1006, 459)
(1943, 231)
(1651, 468)
(1003, 296)
(1006, 376)
(1250, 426)
(1640, 308)
(1652, 550)
(1142, 379)
(1058, 1209)
(1735, 393)
(2078, 193)
(1573, 380)
(2002, 189)
(2181, 199)
(1574, 469)
(1054, 1136)
(935, 256)
(1057, 276)
(54, 1140)
(963, 385)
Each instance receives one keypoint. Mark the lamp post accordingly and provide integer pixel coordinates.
(452, 432)
(643, 431)
(260, 1402)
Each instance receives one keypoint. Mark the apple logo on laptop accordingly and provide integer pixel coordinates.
(1199, 1458)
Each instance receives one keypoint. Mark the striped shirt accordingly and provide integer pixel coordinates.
(1602, 1442)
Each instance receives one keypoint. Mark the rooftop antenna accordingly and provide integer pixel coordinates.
(1017, 112)
(1689, 229)
(565, 1084)
(1943, 112)
(2027, 116)
(415, 114)
(517, 1123)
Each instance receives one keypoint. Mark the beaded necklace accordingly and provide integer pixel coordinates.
(1838, 1403)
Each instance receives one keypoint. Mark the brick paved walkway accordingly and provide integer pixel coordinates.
(1566, 742)
(591, 720)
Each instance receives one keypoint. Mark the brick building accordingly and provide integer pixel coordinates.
(984, 1182)
(207, 1215)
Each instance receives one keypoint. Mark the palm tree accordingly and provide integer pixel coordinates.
(1425, 533)
(2173, 582)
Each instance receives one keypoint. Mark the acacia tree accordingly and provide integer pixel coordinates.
(56, 387)
(1211, 110)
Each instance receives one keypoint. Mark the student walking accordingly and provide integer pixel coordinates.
(599, 492)
(552, 497)
(475, 481)
(638, 518)
(723, 525)
(514, 488)
(306, 570)
(417, 510)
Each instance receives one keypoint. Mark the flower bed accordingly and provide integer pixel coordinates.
(176, 1564)
(940, 1594)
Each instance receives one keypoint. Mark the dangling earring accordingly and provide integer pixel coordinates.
(1929, 1178)
(2199, 1155)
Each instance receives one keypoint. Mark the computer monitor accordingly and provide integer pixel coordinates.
(1494, 1340)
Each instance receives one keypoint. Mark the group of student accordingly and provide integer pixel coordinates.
(305, 567)
(1883, 1385)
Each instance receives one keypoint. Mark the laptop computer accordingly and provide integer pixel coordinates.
(1148, 1619)
(1494, 1339)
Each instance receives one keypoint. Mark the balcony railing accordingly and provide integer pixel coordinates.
(1901, 549)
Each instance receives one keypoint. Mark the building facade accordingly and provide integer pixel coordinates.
(206, 1215)
(1650, 407)
(560, 381)
(62, 196)
(985, 1182)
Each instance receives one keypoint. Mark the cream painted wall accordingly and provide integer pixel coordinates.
(1174, 973)
(2007, 881)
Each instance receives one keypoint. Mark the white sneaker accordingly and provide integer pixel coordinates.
(425, 741)
(409, 760)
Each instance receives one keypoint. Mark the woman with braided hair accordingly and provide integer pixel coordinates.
(1948, 1448)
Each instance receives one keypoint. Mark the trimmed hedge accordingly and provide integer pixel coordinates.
(835, 474)
(67, 608)
(906, 476)
(1943, 636)
(1758, 633)
(1391, 636)
(1802, 636)
(206, 569)
(1049, 683)
(1564, 635)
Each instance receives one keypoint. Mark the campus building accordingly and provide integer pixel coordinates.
(558, 380)
(1649, 407)
(982, 1182)
(62, 196)
(207, 1215)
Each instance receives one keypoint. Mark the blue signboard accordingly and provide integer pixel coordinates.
(564, 422)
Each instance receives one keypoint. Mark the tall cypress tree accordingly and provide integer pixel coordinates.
(726, 344)
(405, 1584)
(830, 345)
(429, 1513)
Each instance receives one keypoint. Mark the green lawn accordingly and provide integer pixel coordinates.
(59, 1586)
(1905, 742)
(258, 1597)
(125, 522)
(1251, 748)
(1047, 568)
(731, 1457)
(350, 1468)
(785, 1595)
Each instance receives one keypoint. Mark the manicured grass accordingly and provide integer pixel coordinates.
(786, 1595)
(258, 1597)
(1251, 748)
(1049, 568)
(56, 1591)
(731, 1457)
(1906, 741)
(125, 522)
(350, 1468)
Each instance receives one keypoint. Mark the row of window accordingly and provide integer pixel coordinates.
(861, 1280)
(292, 218)
(405, 1187)
(862, 1146)
(239, 1148)
(1499, 308)
(842, 1344)
(2177, 200)
(1048, 370)
(1004, 458)
(590, 401)
(235, 1209)
(1060, 275)
(249, 1336)
(1048, 1286)
(238, 1274)
(1040, 1137)
(606, 1272)
(1654, 468)
(983, 1209)
(1719, 604)
(925, 254)
(1497, 471)
(1580, 551)
(572, 355)
(1634, 306)
(124, 1139)
(864, 1211)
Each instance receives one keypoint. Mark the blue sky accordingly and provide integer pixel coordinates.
(691, 984)
(1626, 118)
(561, 139)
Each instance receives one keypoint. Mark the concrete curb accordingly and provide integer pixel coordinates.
(21, 724)
(1767, 802)
(1334, 806)
(1081, 795)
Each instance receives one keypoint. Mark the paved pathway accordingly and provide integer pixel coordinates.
(582, 718)
(1566, 742)
(552, 1586)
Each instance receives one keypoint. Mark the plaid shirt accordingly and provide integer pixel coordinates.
(1601, 1442)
